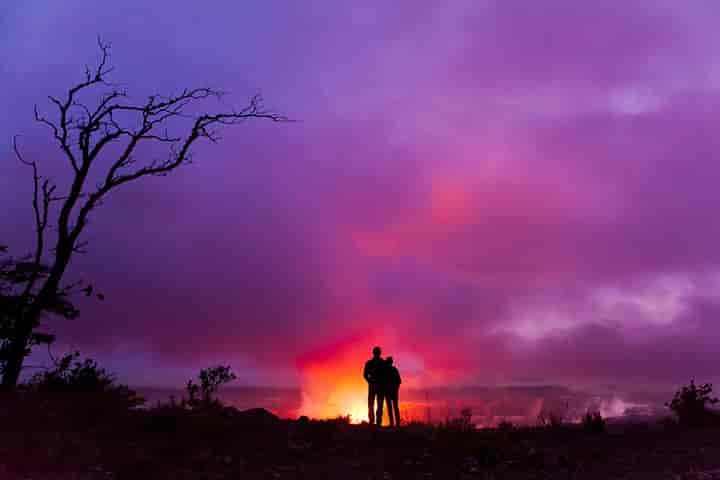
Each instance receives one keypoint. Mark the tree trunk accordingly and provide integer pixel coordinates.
(14, 362)
(27, 322)
(11, 375)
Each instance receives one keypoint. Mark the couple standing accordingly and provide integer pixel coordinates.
(383, 385)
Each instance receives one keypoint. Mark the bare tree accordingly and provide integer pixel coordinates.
(88, 133)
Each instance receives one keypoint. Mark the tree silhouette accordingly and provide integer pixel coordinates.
(14, 275)
(211, 379)
(692, 402)
(70, 374)
(99, 139)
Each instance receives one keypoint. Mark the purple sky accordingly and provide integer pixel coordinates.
(499, 191)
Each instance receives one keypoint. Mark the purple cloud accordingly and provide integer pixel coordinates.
(508, 182)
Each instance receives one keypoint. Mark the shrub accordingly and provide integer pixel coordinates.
(417, 429)
(690, 404)
(593, 422)
(211, 379)
(72, 375)
(79, 393)
(455, 434)
(506, 426)
(550, 419)
(462, 423)
(341, 420)
(669, 422)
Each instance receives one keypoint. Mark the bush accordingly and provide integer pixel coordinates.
(463, 423)
(690, 404)
(550, 419)
(593, 422)
(456, 434)
(211, 379)
(417, 429)
(71, 375)
(505, 426)
(341, 420)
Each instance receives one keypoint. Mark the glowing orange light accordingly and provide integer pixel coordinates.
(332, 382)
(334, 389)
(339, 402)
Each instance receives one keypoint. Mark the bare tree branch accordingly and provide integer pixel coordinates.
(42, 198)
(152, 114)
(61, 130)
(101, 132)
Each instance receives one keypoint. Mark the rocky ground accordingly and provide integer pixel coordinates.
(85, 439)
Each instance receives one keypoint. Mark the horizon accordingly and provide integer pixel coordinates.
(489, 405)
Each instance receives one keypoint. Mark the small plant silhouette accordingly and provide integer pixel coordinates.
(506, 426)
(690, 403)
(462, 423)
(342, 420)
(72, 375)
(593, 422)
(550, 419)
(211, 379)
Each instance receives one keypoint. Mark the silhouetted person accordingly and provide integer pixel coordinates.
(373, 374)
(392, 383)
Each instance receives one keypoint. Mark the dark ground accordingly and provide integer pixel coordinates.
(83, 438)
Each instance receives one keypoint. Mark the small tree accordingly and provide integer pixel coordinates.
(211, 379)
(98, 130)
(690, 403)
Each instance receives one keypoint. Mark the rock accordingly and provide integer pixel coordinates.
(230, 412)
(257, 416)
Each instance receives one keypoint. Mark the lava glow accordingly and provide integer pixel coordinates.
(332, 382)
(329, 391)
